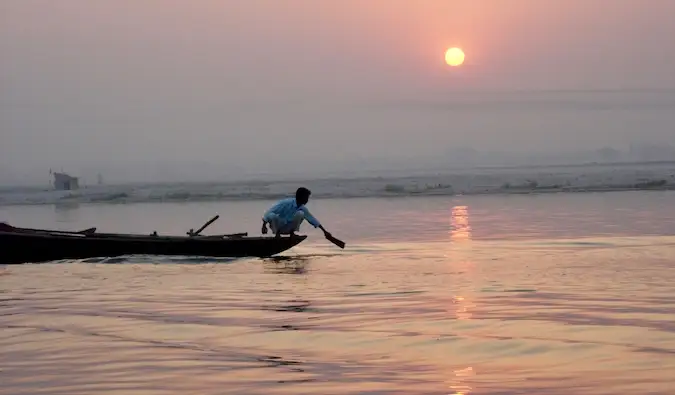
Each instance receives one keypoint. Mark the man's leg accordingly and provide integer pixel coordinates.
(297, 221)
(294, 225)
(276, 225)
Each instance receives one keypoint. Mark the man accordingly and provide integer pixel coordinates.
(286, 216)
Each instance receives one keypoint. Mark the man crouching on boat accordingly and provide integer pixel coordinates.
(286, 215)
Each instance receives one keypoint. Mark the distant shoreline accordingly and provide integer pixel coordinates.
(587, 164)
(497, 181)
(420, 172)
(186, 199)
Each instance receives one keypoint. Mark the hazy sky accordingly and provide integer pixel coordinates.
(266, 84)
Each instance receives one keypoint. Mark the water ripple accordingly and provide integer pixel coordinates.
(586, 315)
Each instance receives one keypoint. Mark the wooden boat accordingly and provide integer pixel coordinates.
(22, 245)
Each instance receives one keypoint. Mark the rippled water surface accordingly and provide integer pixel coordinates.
(550, 294)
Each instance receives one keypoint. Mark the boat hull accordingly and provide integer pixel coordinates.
(18, 248)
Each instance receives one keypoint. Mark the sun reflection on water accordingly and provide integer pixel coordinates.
(458, 384)
(462, 307)
(460, 229)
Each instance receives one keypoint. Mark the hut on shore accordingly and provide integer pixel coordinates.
(65, 182)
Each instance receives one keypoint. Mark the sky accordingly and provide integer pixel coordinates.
(141, 88)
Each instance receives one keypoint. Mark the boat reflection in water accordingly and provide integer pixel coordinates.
(287, 264)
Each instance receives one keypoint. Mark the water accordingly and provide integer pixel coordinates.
(545, 294)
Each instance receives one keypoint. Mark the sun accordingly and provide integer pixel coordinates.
(454, 56)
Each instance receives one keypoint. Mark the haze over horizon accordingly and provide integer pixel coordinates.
(144, 89)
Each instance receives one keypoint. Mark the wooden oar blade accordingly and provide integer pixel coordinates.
(336, 241)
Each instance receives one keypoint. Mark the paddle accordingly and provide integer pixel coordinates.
(212, 220)
(335, 240)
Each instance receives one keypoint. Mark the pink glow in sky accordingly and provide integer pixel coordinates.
(379, 43)
(236, 72)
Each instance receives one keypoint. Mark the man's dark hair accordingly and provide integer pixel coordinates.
(302, 195)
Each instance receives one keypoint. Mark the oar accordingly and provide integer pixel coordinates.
(212, 220)
(335, 240)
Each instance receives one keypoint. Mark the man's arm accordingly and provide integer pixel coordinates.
(313, 221)
(310, 218)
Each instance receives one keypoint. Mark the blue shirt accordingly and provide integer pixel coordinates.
(286, 209)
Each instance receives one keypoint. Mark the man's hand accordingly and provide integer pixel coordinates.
(264, 228)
